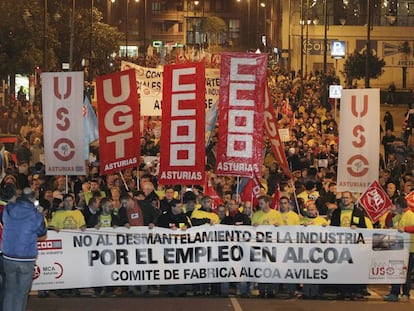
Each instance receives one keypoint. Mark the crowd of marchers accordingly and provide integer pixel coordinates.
(133, 197)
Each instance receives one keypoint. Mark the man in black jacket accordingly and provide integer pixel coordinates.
(175, 218)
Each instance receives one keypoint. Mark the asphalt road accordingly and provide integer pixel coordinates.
(155, 302)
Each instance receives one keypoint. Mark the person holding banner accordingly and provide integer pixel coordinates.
(23, 225)
(168, 200)
(205, 214)
(350, 215)
(130, 215)
(267, 216)
(312, 218)
(202, 216)
(175, 219)
(406, 224)
(68, 218)
(289, 216)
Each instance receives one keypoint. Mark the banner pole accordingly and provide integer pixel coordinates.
(138, 180)
(66, 184)
(123, 180)
(296, 198)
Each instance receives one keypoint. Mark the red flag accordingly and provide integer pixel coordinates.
(375, 201)
(211, 192)
(276, 198)
(272, 132)
(251, 192)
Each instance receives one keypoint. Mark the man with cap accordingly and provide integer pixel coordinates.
(23, 225)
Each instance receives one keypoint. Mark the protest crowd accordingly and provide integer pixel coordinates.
(133, 197)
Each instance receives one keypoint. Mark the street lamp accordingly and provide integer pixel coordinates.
(45, 36)
(368, 47)
(72, 34)
(264, 41)
(325, 54)
(127, 26)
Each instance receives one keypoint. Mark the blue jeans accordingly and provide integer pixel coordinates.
(395, 288)
(2, 282)
(19, 277)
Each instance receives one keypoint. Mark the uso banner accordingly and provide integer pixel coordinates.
(206, 254)
(272, 132)
(242, 96)
(62, 98)
(182, 143)
(119, 120)
(358, 162)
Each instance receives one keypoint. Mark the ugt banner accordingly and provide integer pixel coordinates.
(358, 163)
(242, 96)
(182, 159)
(208, 254)
(62, 98)
(119, 120)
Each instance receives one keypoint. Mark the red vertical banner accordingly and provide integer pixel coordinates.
(182, 154)
(272, 132)
(242, 97)
(119, 120)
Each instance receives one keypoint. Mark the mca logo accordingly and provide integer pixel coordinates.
(36, 272)
(54, 270)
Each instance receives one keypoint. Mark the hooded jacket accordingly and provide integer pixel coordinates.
(22, 225)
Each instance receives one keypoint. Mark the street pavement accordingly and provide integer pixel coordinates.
(162, 303)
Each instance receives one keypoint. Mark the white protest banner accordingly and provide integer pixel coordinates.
(62, 98)
(358, 161)
(149, 86)
(267, 254)
(212, 86)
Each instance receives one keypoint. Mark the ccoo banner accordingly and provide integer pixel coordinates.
(267, 254)
(183, 125)
(241, 108)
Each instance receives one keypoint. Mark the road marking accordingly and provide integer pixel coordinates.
(235, 304)
(374, 294)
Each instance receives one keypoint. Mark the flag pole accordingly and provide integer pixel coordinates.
(66, 184)
(238, 184)
(296, 198)
(124, 181)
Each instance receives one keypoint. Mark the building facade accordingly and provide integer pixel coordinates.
(295, 29)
